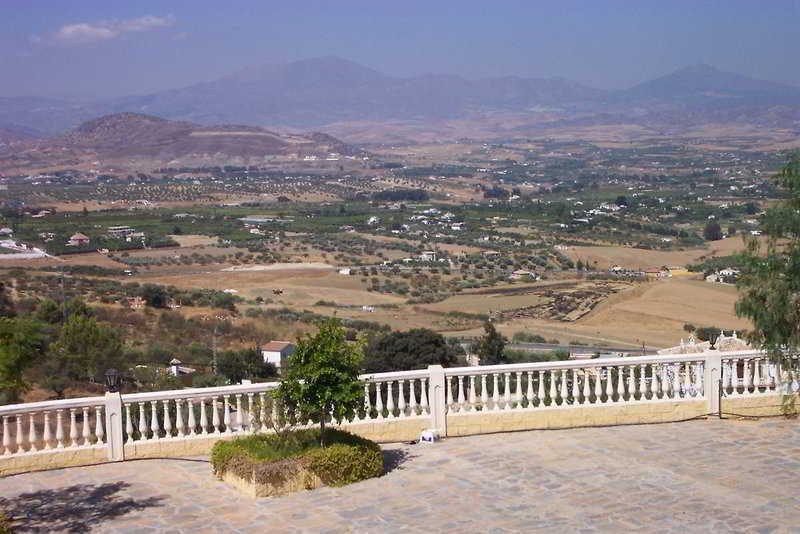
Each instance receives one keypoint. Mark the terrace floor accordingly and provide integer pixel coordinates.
(702, 476)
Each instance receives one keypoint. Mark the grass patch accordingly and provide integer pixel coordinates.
(274, 459)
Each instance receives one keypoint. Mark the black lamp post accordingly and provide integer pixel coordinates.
(112, 380)
(712, 340)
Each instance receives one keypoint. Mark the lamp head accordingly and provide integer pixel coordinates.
(113, 380)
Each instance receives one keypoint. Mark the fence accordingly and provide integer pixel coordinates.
(397, 406)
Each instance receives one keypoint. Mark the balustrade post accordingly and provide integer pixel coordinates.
(712, 373)
(436, 396)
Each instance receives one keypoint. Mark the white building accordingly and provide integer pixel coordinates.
(277, 352)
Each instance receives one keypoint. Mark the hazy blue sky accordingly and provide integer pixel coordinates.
(115, 47)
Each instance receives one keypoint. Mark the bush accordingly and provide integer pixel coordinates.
(274, 458)
(5, 523)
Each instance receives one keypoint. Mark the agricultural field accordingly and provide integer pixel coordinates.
(443, 236)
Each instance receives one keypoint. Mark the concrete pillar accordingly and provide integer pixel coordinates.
(712, 373)
(436, 394)
(114, 439)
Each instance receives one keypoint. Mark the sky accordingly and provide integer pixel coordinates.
(110, 48)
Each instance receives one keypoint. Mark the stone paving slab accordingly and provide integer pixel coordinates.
(702, 476)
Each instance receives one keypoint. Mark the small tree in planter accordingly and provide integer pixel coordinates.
(322, 379)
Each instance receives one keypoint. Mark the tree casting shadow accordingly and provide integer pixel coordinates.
(72, 509)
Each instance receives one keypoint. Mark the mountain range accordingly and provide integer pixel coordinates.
(341, 97)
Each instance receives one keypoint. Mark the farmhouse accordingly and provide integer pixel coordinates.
(276, 352)
(78, 239)
(120, 231)
(523, 275)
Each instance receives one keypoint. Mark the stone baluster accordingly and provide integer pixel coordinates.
(598, 384)
(251, 413)
(585, 390)
(484, 393)
(462, 400)
(7, 436)
(192, 421)
(687, 379)
(73, 428)
(564, 390)
(676, 381)
(423, 390)
(367, 403)
(448, 383)
(495, 393)
(551, 390)
(472, 399)
(379, 399)
(20, 436)
(757, 382)
(239, 414)
(32, 437)
(401, 397)
(203, 418)
(576, 392)
(617, 391)
(85, 430)
(128, 424)
(540, 389)
(215, 421)
(142, 421)
(643, 384)
(412, 394)
(621, 383)
(529, 389)
(179, 425)
(746, 378)
(655, 374)
(262, 411)
(390, 398)
(518, 391)
(47, 436)
(507, 391)
(226, 414)
(155, 428)
(99, 432)
(276, 416)
(60, 429)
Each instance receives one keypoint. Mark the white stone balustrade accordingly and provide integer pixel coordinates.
(45, 426)
(423, 399)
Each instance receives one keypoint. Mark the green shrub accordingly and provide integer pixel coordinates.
(5, 523)
(272, 458)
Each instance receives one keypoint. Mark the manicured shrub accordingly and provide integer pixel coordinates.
(274, 458)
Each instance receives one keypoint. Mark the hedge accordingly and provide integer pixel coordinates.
(273, 458)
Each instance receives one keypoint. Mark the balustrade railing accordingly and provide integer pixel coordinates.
(532, 386)
(45, 426)
(428, 394)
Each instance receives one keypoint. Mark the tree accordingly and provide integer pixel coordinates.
(21, 343)
(6, 304)
(621, 201)
(769, 281)
(154, 295)
(712, 231)
(404, 351)
(491, 346)
(237, 365)
(731, 230)
(86, 348)
(322, 377)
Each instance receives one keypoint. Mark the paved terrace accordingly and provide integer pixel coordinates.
(701, 476)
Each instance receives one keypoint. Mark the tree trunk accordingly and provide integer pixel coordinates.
(322, 431)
